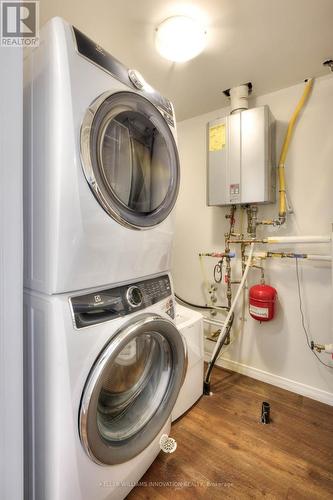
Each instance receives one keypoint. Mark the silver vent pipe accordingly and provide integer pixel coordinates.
(239, 98)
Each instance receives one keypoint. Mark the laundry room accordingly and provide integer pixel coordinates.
(166, 255)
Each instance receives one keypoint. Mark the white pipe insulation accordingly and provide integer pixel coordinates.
(327, 258)
(329, 348)
(298, 239)
(307, 256)
(233, 305)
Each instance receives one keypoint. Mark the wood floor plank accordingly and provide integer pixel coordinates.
(225, 452)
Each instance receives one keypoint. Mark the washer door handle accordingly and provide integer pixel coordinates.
(87, 319)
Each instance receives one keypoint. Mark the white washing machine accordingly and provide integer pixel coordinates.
(103, 371)
(190, 325)
(101, 167)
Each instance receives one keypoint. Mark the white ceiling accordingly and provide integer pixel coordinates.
(272, 43)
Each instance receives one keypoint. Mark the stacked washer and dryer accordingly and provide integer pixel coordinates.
(105, 361)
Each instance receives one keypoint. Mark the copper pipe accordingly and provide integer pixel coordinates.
(247, 242)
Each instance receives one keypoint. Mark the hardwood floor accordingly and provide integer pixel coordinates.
(224, 452)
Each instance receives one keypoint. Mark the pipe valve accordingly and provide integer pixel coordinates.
(328, 348)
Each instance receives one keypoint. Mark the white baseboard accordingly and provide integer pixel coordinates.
(270, 378)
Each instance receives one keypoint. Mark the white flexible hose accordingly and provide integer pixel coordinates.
(233, 305)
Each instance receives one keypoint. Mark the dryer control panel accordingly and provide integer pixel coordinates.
(97, 55)
(104, 305)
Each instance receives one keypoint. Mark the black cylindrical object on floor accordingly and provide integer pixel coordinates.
(265, 412)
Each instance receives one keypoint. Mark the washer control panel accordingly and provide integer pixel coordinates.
(104, 305)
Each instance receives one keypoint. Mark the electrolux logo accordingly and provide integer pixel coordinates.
(100, 49)
(19, 24)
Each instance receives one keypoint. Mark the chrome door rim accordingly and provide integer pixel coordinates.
(93, 443)
(88, 169)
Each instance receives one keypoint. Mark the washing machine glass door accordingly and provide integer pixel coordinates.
(130, 159)
(131, 389)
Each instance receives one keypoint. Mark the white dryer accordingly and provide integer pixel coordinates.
(103, 371)
(101, 167)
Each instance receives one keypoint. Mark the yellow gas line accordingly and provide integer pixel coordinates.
(284, 151)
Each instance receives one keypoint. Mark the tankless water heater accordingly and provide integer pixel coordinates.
(240, 158)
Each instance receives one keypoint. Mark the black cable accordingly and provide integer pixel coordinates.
(302, 316)
(218, 271)
(199, 306)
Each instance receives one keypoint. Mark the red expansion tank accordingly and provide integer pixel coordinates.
(262, 302)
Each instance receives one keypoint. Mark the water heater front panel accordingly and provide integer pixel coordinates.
(240, 158)
(217, 172)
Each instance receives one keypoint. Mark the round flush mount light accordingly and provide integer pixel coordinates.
(180, 38)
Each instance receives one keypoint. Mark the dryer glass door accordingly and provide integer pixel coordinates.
(132, 389)
(130, 159)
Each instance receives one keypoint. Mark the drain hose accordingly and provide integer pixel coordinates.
(228, 320)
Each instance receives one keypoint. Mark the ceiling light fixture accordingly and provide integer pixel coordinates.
(180, 38)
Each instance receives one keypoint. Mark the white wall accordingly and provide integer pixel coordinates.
(11, 357)
(275, 351)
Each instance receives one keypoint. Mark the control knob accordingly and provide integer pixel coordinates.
(137, 79)
(134, 296)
